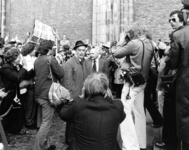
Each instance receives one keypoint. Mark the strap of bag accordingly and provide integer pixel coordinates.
(154, 55)
(142, 55)
(49, 64)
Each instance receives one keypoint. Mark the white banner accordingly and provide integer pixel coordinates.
(44, 31)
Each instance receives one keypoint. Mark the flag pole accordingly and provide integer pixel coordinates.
(56, 40)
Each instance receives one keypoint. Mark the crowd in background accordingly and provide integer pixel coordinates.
(104, 76)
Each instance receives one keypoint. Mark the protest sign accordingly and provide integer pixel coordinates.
(44, 31)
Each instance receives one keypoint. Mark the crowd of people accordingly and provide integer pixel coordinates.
(111, 87)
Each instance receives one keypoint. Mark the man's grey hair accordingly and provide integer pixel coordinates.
(96, 84)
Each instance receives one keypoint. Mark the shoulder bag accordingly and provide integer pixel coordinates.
(57, 93)
(137, 78)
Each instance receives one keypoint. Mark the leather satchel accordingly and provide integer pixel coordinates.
(168, 82)
(57, 93)
(137, 79)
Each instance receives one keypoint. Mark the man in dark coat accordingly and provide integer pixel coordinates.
(75, 74)
(179, 52)
(169, 135)
(43, 82)
(96, 117)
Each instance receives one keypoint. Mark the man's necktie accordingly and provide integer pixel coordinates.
(94, 66)
(81, 62)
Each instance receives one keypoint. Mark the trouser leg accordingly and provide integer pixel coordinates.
(152, 108)
(140, 117)
(127, 128)
(30, 106)
(42, 139)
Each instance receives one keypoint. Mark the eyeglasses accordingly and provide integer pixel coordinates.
(173, 19)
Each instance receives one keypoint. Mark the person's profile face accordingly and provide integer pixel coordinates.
(17, 60)
(175, 22)
(87, 55)
(94, 53)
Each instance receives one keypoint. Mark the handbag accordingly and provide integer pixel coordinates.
(168, 82)
(57, 93)
(137, 78)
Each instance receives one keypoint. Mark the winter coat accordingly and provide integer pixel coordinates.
(179, 59)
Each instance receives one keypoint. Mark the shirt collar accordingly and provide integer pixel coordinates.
(78, 58)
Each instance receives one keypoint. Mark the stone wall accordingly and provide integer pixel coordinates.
(70, 17)
(154, 15)
(74, 17)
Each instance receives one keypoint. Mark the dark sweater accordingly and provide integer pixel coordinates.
(43, 82)
(10, 76)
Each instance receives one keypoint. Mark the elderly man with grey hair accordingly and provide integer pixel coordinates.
(138, 52)
(96, 116)
(95, 63)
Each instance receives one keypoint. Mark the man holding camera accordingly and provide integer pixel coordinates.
(178, 59)
(138, 52)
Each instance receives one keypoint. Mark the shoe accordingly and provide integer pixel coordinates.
(32, 126)
(161, 145)
(24, 131)
(52, 147)
(156, 125)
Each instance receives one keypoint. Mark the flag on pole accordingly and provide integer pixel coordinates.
(44, 31)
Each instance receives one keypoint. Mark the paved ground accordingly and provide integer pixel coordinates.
(25, 142)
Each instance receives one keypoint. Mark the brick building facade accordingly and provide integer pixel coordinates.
(70, 17)
(74, 18)
(154, 15)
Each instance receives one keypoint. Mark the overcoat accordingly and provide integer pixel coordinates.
(75, 74)
(179, 59)
(96, 121)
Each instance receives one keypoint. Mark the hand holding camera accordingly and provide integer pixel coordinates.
(122, 40)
